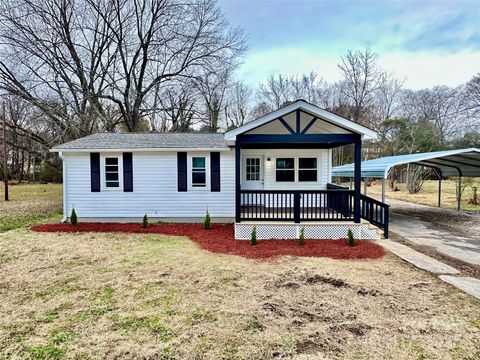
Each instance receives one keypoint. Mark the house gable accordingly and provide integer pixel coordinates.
(301, 117)
(308, 124)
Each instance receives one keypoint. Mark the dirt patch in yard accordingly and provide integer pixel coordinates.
(154, 296)
(220, 239)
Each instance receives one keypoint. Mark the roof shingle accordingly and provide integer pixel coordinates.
(112, 141)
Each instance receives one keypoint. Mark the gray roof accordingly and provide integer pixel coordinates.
(113, 141)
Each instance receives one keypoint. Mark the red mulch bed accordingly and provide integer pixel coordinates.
(220, 240)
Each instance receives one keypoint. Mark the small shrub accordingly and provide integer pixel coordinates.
(351, 239)
(207, 222)
(301, 239)
(145, 221)
(73, 217)
(253, 238)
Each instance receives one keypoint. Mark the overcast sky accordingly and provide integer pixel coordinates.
(426, 43)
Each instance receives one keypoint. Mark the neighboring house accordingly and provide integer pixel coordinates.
(273, 173)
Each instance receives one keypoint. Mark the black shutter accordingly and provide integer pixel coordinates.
(182, 171)
(127, 172)
(95, 172)
(215, 171)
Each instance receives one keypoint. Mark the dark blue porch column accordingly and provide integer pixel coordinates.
(358, 179)
(237, 181)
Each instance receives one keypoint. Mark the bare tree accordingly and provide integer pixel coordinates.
(237, 105)
(74, 58)
(472, 93)
(275, 93)
(361, 80)
(442, 106)
(212, 88)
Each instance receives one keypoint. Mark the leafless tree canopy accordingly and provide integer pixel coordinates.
(69, 68)
(92, 64)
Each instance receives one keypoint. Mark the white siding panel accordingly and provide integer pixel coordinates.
(270, 183)
(154, 190)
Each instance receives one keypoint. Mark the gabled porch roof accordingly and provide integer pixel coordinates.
(314, 121)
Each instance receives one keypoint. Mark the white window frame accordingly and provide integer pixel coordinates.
(207, 172)
(120, 172)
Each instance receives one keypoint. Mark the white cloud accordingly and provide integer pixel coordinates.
(427, 69)
(419, 69)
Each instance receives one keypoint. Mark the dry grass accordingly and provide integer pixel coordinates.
(428, 195)
(29, 203)
(120, 296)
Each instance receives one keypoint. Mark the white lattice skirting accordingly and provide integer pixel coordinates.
(243, 231)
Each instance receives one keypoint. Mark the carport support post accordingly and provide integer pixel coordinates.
(459, 206)
(350, 185)
(383, 190)
(365, 186)
(358, 178)
(440, 191)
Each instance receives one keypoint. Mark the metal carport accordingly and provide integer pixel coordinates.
(462, 162)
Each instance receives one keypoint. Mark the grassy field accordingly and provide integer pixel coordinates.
(119, 296)
(29, 204)
(428, 195)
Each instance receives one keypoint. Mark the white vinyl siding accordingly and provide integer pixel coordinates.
(154, 189)
(323, 157)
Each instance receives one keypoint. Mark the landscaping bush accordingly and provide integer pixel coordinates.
(351, 239)
(49, 173)
(73, 217)
(145, 221)
(253, 238)
(301, 239)
(207, 222)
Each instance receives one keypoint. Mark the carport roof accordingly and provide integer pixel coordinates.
(463, 162)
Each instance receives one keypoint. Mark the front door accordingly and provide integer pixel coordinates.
(252, 178)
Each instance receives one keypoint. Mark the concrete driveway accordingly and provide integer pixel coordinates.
(449, 232)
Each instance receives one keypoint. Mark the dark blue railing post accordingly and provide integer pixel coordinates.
(296, 206)
(385, 221)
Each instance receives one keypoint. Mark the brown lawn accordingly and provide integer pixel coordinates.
(29, 204)
(428, 195)
(122, 296)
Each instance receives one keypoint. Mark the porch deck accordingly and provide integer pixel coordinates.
(333, 205)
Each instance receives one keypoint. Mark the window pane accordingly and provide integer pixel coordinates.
(307, 175)
(307, 163)
(285, 163)
(198, 178)
(111, 168)
(111, 161)
(114, 184)
(198, 162)
(285, 176)
(111, 176)
(252, 169)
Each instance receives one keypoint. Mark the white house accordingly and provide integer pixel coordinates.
(273, 173)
